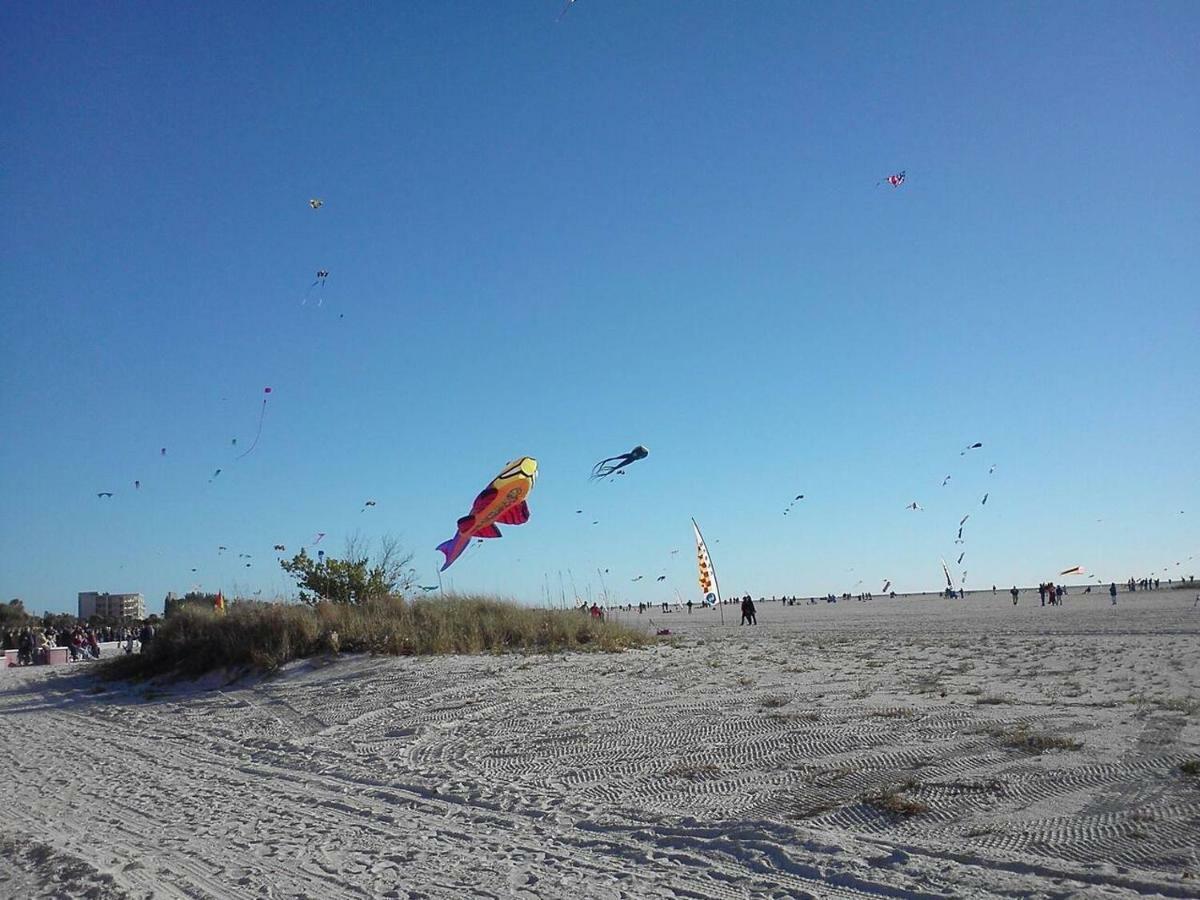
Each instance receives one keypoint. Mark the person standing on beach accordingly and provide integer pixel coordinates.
(1112, 592)
(1014, 593)
(749, 616)
(689, 606)
(1042, 593)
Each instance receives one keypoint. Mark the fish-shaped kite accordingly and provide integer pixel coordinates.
(501, 501)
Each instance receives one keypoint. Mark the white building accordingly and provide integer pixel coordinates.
(111, 606)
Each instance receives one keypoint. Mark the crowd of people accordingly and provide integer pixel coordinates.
(33, 643)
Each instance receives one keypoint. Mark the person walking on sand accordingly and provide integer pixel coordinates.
(689, 606)
(1042, 593)
(1014, 593)
(1112, 592)
(749, 616)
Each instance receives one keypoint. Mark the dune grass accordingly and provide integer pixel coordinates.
(263, 636)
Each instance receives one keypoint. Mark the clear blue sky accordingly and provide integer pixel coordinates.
(651, 223)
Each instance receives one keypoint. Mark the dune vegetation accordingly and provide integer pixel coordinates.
(263, 636)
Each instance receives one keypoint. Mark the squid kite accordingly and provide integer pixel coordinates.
(614, 464)
(262, 414)
(501, 501)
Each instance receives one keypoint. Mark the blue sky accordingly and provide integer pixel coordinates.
(647, 223)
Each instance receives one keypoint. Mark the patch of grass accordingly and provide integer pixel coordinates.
(773, 701)
(1021, 737)
(992, 700)
(894, 802)
(1191, 768)
(894, 713)
(264, 636)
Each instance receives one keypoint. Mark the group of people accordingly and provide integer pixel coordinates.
(33, 643)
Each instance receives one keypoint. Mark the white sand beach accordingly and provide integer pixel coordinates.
(849, 750)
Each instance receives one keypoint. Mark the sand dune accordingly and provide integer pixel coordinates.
(910, 748)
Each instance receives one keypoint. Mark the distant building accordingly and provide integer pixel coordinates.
(111, 606)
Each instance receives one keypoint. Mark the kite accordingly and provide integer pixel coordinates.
(894, 180)
(566, 6)
(262, 413)
(220, 548)
(795, 500)
(281, 548)
(959, 540)
(960, 556)
(322, 274)
(247, 565)
(365, 505)
(992, 469)
(104, 494)
(661, 578)
(162, 452)
(315, 203)
(233, 442)
(946, 570)
(974, 446)
(614, 464)
(317, 539)
(963, 520)
(578, 512)
(1077, 570)
(886, 585)
(137, 485)
(214, 475)
(914, 505)
(501, 501)
(428, 587)
(945, 481)
(983, 502)
(673, 552)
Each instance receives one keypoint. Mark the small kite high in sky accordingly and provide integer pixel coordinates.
(795, 500)
(639, 578)
(614, 464)
(317, 539)
(214, 475)
(886, 585)
(280, 548)
(661, 578)
(963, 520)
(137, 485)
(1077, 570)
(566, 6)
(162, 452)
(974, 446)
(960, 557)
(991, 468)
(894, 180)
(983, 502)
(945, 481)
(316, 203)
(318, 286)
(262, 413)
(501, 501)
(104, 494)
(914, 505)
(366, 505)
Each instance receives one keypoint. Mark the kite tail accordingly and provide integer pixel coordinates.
(452, 549)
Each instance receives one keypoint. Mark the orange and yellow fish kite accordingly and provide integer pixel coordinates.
(501, 501)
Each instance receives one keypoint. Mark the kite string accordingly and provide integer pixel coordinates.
(262, 414)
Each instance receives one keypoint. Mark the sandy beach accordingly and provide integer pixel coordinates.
(913, 748)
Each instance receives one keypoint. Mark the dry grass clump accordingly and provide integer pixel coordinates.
(1191, 767)
(1021, 737)
(991, 700)
(264, 636)
(774, 701)
(893, 800)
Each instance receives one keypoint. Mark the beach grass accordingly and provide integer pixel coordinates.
(264, 636)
